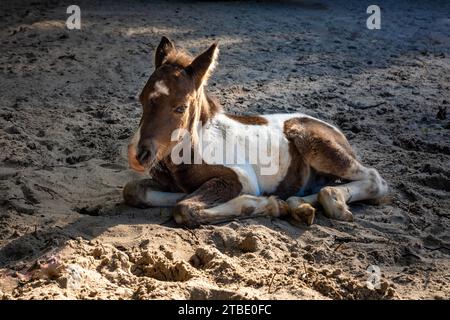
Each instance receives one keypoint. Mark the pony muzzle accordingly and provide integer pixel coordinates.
(133, 161)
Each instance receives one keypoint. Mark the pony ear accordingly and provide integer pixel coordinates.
(200, 69)
(164, 48)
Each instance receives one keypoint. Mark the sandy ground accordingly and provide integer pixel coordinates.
(68, 107)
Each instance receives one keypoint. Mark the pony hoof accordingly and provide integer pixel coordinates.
(134, 194)
(185, 215)
(304, 213)
(334, 205)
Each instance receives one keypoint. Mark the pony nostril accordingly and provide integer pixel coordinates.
(142, 155)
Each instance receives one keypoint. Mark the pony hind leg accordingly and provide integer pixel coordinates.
(367, 185)
(328, 151)
(303, 208)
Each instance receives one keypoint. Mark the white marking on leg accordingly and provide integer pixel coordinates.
(296, 201)
(368, 184)
(245, 205)
(162, 199)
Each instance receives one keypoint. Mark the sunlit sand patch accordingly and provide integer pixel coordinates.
(130, 32)
(55, 25)
(204, 42)
(198, 44)
(230, 40)
(49, 24)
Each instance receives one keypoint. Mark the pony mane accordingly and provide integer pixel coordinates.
(178, 57)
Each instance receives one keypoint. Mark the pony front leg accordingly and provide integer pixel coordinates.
(220, 199)
(303, 208)
(244, 206)
(149, 193)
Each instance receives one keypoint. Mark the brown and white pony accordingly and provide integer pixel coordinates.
(312, 155)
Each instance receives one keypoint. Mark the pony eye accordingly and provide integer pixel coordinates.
(180, 109)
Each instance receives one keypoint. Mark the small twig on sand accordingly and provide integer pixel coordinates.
(412, 255)
(271, 281)
(191, 232)
(374, 105)
(397, 277)
(103, 112)
(427, 279)
(47, 190)
(304, 267)
(437, 248)
(410, 218)
(407, 212)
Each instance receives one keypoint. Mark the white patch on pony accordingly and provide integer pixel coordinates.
(246, 159)
(254, 179)
(160, 88)
(247, 177)
(282, 117)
